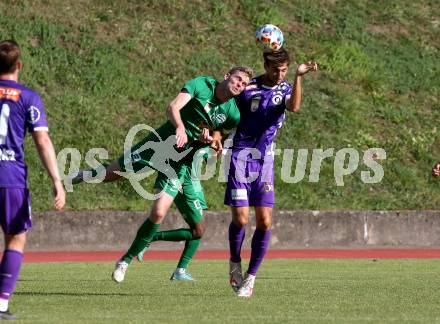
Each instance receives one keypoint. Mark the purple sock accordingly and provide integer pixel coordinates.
(260, 243)
(236, 238)
(9, 270)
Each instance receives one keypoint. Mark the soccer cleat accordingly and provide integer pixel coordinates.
(235, 275)
(6, 315)
(181, 275)
(119, 272)
(247, 286)
(81, 176)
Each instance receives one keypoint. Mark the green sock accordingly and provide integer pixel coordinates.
(143, 239)
(181, 234)
(188, 253)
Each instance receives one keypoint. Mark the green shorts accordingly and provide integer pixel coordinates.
(174, 178)
(189, 200)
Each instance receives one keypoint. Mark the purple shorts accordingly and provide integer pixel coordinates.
(250, 183)
(15, 210)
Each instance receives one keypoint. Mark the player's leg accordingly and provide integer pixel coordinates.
(168, 188)
(144, 234)
(15, 220)
(237, 196)
(191, 207)
(135, 160)
(263, 198)
(190, 202)
(259, 246)
(111, 172)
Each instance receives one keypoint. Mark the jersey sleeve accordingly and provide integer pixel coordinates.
(36, 115)
(191, 87)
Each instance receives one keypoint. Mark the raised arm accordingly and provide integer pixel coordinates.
(294, 102)
(47, 154)
(173, 112)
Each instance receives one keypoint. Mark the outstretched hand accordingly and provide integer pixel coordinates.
(436, 170)
(305, 68)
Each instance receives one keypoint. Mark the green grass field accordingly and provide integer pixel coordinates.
(103, 66)
(286, 291)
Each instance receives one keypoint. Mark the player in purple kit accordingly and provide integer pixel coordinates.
(21, 110)
(251, 172)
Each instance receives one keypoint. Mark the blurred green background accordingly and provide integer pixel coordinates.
(104, 66)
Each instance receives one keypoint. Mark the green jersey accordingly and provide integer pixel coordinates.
(204, 110)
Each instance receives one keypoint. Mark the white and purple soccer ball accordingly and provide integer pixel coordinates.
(269, 37)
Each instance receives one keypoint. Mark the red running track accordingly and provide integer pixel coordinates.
(222, 254)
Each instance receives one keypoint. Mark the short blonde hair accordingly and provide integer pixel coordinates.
(244, 69)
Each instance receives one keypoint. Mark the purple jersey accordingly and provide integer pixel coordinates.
(262, 113)
(21, 109)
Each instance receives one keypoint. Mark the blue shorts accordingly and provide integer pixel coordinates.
(15, 210)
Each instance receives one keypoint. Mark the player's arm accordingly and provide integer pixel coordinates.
(436, 170)
(213, 138)
(47, 154)
(173, 112)
(294, 102)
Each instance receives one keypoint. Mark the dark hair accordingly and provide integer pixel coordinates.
(9, 55)
(277, 58)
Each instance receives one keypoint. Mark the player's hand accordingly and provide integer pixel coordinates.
(436, 170)
(205, 137)
(217, 146)
(181, 137)
(59, 194)
(305, 68)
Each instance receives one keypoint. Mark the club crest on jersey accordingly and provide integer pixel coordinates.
(34, 114)
(219, 118)
(268, 187)
(277, 99)
(282, 86)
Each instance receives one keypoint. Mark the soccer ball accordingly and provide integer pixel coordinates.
(269, 37)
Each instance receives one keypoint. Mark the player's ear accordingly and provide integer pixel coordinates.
(18, 65)
(227, 75)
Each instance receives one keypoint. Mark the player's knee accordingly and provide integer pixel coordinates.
(16, 242)
(198, 231)
(157, 215)
(264, 224)
(241, 221)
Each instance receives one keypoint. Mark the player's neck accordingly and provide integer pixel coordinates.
(221, 94)
(9, 77)
(267, 82)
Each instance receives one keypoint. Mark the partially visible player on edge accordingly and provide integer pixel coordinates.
(436, 170)
(21, 110)
(262, 106)
(202, 104)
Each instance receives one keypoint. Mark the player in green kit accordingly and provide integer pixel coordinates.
(202, 104)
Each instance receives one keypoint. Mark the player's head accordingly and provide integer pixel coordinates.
(237, 79)
(9, 56)
(276, 65)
